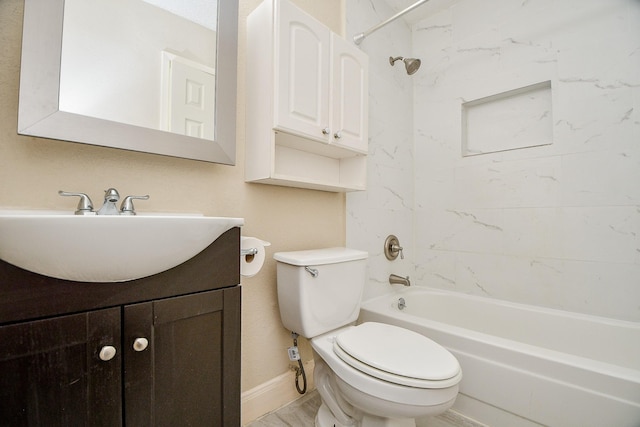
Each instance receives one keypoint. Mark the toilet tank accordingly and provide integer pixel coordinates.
(320, 290)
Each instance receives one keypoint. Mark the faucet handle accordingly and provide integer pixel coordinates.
(396, 249)
(127, 207)
(85, 206)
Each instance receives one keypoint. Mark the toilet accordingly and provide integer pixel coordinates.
(371, 374)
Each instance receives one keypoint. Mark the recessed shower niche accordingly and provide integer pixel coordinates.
(518, 118)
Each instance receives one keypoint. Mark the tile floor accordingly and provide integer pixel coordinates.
(302, 412)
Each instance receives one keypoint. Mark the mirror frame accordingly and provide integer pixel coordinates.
(39, 113)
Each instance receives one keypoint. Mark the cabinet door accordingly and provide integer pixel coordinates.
(51, 373)
(349, 96)
(302, 74)
(178, 378)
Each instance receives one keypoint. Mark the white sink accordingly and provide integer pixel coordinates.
(105, 248)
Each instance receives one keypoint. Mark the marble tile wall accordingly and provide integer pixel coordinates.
(387, 205)
(555, 225)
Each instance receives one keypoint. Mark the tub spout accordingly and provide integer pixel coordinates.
(394, 279)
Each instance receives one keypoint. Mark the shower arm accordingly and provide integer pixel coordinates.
(359, 37)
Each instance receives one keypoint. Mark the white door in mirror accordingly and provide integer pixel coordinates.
(188, 98)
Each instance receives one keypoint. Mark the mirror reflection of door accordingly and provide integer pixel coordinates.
(188, 97)
(112, 62)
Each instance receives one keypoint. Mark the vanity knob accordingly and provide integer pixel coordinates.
(107, 353)
(337, 135)
(326, 131)
(140, 344)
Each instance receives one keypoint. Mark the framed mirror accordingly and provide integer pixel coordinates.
(156, 76)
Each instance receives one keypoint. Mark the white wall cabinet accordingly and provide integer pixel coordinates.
(350, 99)
(307, 102)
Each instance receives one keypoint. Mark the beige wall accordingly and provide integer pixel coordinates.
(32, 170)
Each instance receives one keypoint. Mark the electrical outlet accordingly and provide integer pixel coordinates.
(294, 354)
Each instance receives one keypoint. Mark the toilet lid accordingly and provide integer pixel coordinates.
(379, 349)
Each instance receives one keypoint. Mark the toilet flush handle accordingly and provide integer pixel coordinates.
(312, 271)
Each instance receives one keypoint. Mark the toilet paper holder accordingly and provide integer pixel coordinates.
(250, 251)
(252, 255)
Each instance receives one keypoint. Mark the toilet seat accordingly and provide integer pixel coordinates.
(397, 355)
(323, 345)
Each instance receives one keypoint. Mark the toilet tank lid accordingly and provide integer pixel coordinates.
(320, 256)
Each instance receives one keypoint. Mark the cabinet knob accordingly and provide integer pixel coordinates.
(326, 131)
(107, 353)
(140, 344)
(337, 135)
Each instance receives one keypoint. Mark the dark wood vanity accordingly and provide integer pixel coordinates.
(176, 337)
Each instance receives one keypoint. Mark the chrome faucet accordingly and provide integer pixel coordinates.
(394, 279)
(111, 197)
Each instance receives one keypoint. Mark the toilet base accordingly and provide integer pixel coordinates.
(346, 406)
(324, 418)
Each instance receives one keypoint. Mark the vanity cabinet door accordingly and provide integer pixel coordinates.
(52, 372)
(178, 376)
(302, 74)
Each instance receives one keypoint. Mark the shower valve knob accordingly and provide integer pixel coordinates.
(392, 248)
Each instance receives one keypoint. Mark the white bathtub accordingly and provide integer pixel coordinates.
(547, 366)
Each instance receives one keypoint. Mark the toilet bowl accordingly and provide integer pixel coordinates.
(368, 375)
(425, 389)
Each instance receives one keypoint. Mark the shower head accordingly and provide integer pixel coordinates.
(411, 64)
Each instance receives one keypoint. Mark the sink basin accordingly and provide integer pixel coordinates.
(105, 248)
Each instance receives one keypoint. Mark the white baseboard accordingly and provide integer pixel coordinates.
(273, 394)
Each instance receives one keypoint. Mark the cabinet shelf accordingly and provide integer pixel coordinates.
(298, 162)
(296, 142)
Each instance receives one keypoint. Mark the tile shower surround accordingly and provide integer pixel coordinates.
(556, 225)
